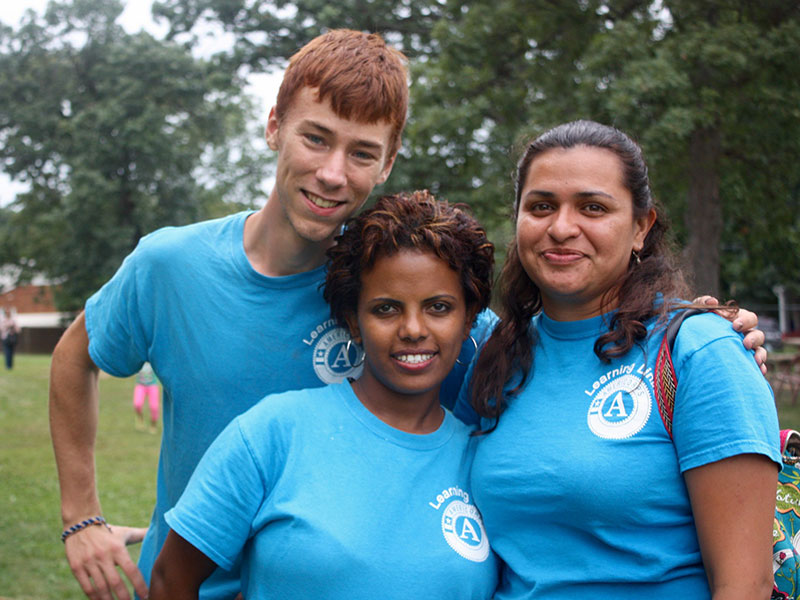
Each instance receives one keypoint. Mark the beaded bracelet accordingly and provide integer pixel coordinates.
(83, 525)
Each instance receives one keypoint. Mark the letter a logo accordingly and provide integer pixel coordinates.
(617, 405)
(620, 409)
(468, 531)
(341, 359)
(471, 542)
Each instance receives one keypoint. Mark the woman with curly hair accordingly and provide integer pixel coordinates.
(358, 489)
(583, 492)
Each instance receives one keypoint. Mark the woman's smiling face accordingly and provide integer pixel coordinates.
(576, 229)
(411, 321)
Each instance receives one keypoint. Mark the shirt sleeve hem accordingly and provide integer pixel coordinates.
(187, 533)
(729, 450)
(94, 352)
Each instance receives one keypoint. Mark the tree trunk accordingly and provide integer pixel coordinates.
(704, 211)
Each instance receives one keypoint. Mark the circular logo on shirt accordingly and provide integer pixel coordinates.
(463, 529)
(332, 361)
(620, 408)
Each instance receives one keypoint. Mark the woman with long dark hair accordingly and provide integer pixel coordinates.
(583, 492)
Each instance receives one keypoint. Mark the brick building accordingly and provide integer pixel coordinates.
(40, 322)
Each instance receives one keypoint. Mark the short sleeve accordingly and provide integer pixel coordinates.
(220, 502)
(724, 406)
(116, 316)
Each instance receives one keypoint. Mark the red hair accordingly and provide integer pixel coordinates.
(363, 78)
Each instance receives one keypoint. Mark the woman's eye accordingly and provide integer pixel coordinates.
(383, 309)
(540, 207)
(440, 307)
(595, 208)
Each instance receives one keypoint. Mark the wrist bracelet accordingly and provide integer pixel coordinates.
(83, 525)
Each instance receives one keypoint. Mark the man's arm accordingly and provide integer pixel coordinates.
(94, 552)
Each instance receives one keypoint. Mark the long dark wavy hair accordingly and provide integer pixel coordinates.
(509, 351)
(409, 221)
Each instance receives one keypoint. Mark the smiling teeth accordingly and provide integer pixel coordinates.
(414, 359)
(321, 202)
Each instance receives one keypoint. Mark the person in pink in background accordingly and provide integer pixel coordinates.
(146, 388)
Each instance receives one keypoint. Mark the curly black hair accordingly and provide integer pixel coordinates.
(416, 221)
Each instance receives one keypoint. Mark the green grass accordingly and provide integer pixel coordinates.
(32, 561)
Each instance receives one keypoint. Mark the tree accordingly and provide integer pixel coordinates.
(267, 33)
(713, 89)
(710, 89)
(110, 131)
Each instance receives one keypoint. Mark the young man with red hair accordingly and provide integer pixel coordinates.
(229, 310)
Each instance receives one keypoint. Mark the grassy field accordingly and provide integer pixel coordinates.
(32, 564)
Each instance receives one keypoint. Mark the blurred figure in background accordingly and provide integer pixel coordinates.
(9, 331)
(146, 388)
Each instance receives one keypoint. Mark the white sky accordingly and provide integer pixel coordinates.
(136, 17)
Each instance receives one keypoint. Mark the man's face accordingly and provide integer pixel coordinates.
(327, 165)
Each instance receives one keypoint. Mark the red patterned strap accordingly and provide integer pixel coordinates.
(666, 382)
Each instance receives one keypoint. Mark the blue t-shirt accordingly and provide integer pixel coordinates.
(326, 500)
(580, 486)
(220, 336)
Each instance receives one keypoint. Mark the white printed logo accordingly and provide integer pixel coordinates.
(620, 408)
(462, 527)
(332, 361)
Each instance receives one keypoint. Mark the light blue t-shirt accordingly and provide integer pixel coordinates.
(580, 486)
(220, 336)
(325, 500)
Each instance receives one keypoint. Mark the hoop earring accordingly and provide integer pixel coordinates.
(474, 343)
(635, 255)
(347, 351)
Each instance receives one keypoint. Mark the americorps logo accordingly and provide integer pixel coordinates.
(332, 361)
(462, 525)
(621, 402)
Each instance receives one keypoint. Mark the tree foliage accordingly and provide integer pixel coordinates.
(268, 32)
(710, 89)
(110, 130)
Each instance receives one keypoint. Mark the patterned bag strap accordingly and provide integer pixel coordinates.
(666, 382)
